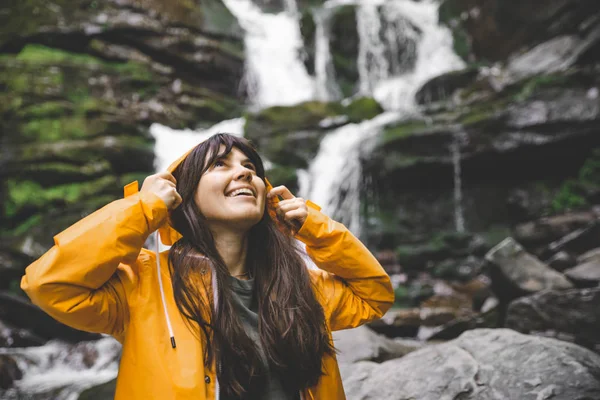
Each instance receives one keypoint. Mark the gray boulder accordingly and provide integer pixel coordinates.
(483, 364)
(587, 272)
(362, 344)
(515, 272)
(576, 312)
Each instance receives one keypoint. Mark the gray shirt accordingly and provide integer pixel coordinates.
(247, 307)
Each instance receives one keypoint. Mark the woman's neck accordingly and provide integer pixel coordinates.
(233, 247)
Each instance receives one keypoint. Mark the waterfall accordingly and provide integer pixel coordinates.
(60, 371)
(434, 53)
(335, 173)
(274, 74)
(459, 219)
(171, 144)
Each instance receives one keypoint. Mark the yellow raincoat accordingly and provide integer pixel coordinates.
(98, 278)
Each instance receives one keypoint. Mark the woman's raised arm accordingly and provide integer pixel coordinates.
(84, 279)
(355, 286)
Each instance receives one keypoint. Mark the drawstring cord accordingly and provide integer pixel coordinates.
(162, 292)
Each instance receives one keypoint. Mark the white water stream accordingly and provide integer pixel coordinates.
(274, 74)
(61, 371)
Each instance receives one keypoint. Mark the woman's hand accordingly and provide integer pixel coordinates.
(163, 185)
(292, 210)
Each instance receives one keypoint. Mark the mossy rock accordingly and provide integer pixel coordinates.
(290, 118)
(56, 173)
(362, 108)
(25, 196)
(124, 153)
(292, 150)
(25, 18)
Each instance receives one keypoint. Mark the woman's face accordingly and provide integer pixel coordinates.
(230, 193)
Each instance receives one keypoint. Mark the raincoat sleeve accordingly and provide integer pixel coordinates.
(84, 279)
(355, 287)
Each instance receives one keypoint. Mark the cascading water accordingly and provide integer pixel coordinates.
(275, 75)
(59, 371)
(334, 175)
(406, 22)
(457, 141)
(170, 144)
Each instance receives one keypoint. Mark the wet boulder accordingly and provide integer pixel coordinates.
(483, 364)
(575, 312)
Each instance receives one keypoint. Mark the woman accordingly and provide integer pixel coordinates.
(230, 311)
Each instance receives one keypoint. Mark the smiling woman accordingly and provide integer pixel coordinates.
(230, 311)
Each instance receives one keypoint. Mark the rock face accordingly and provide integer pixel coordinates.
(481, 365)
(494, 29)
(575, 312)
(82, 83)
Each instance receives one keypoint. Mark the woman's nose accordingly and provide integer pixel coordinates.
(243, 173)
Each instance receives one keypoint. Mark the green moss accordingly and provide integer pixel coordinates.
(27, 225)
(568, 197)
(394, 160)
(573, 193)
(60, 172)
(31, 194)
(48, 109)
(33, 54)
(288, 119)
(363, 108)
(38, 54)
(49, 130)
(528, 88)
(401, 131)
(477, 116)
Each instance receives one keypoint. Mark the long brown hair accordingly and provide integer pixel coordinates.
(291, 323)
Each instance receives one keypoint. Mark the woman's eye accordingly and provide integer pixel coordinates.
(251, 166)
(218, 164)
